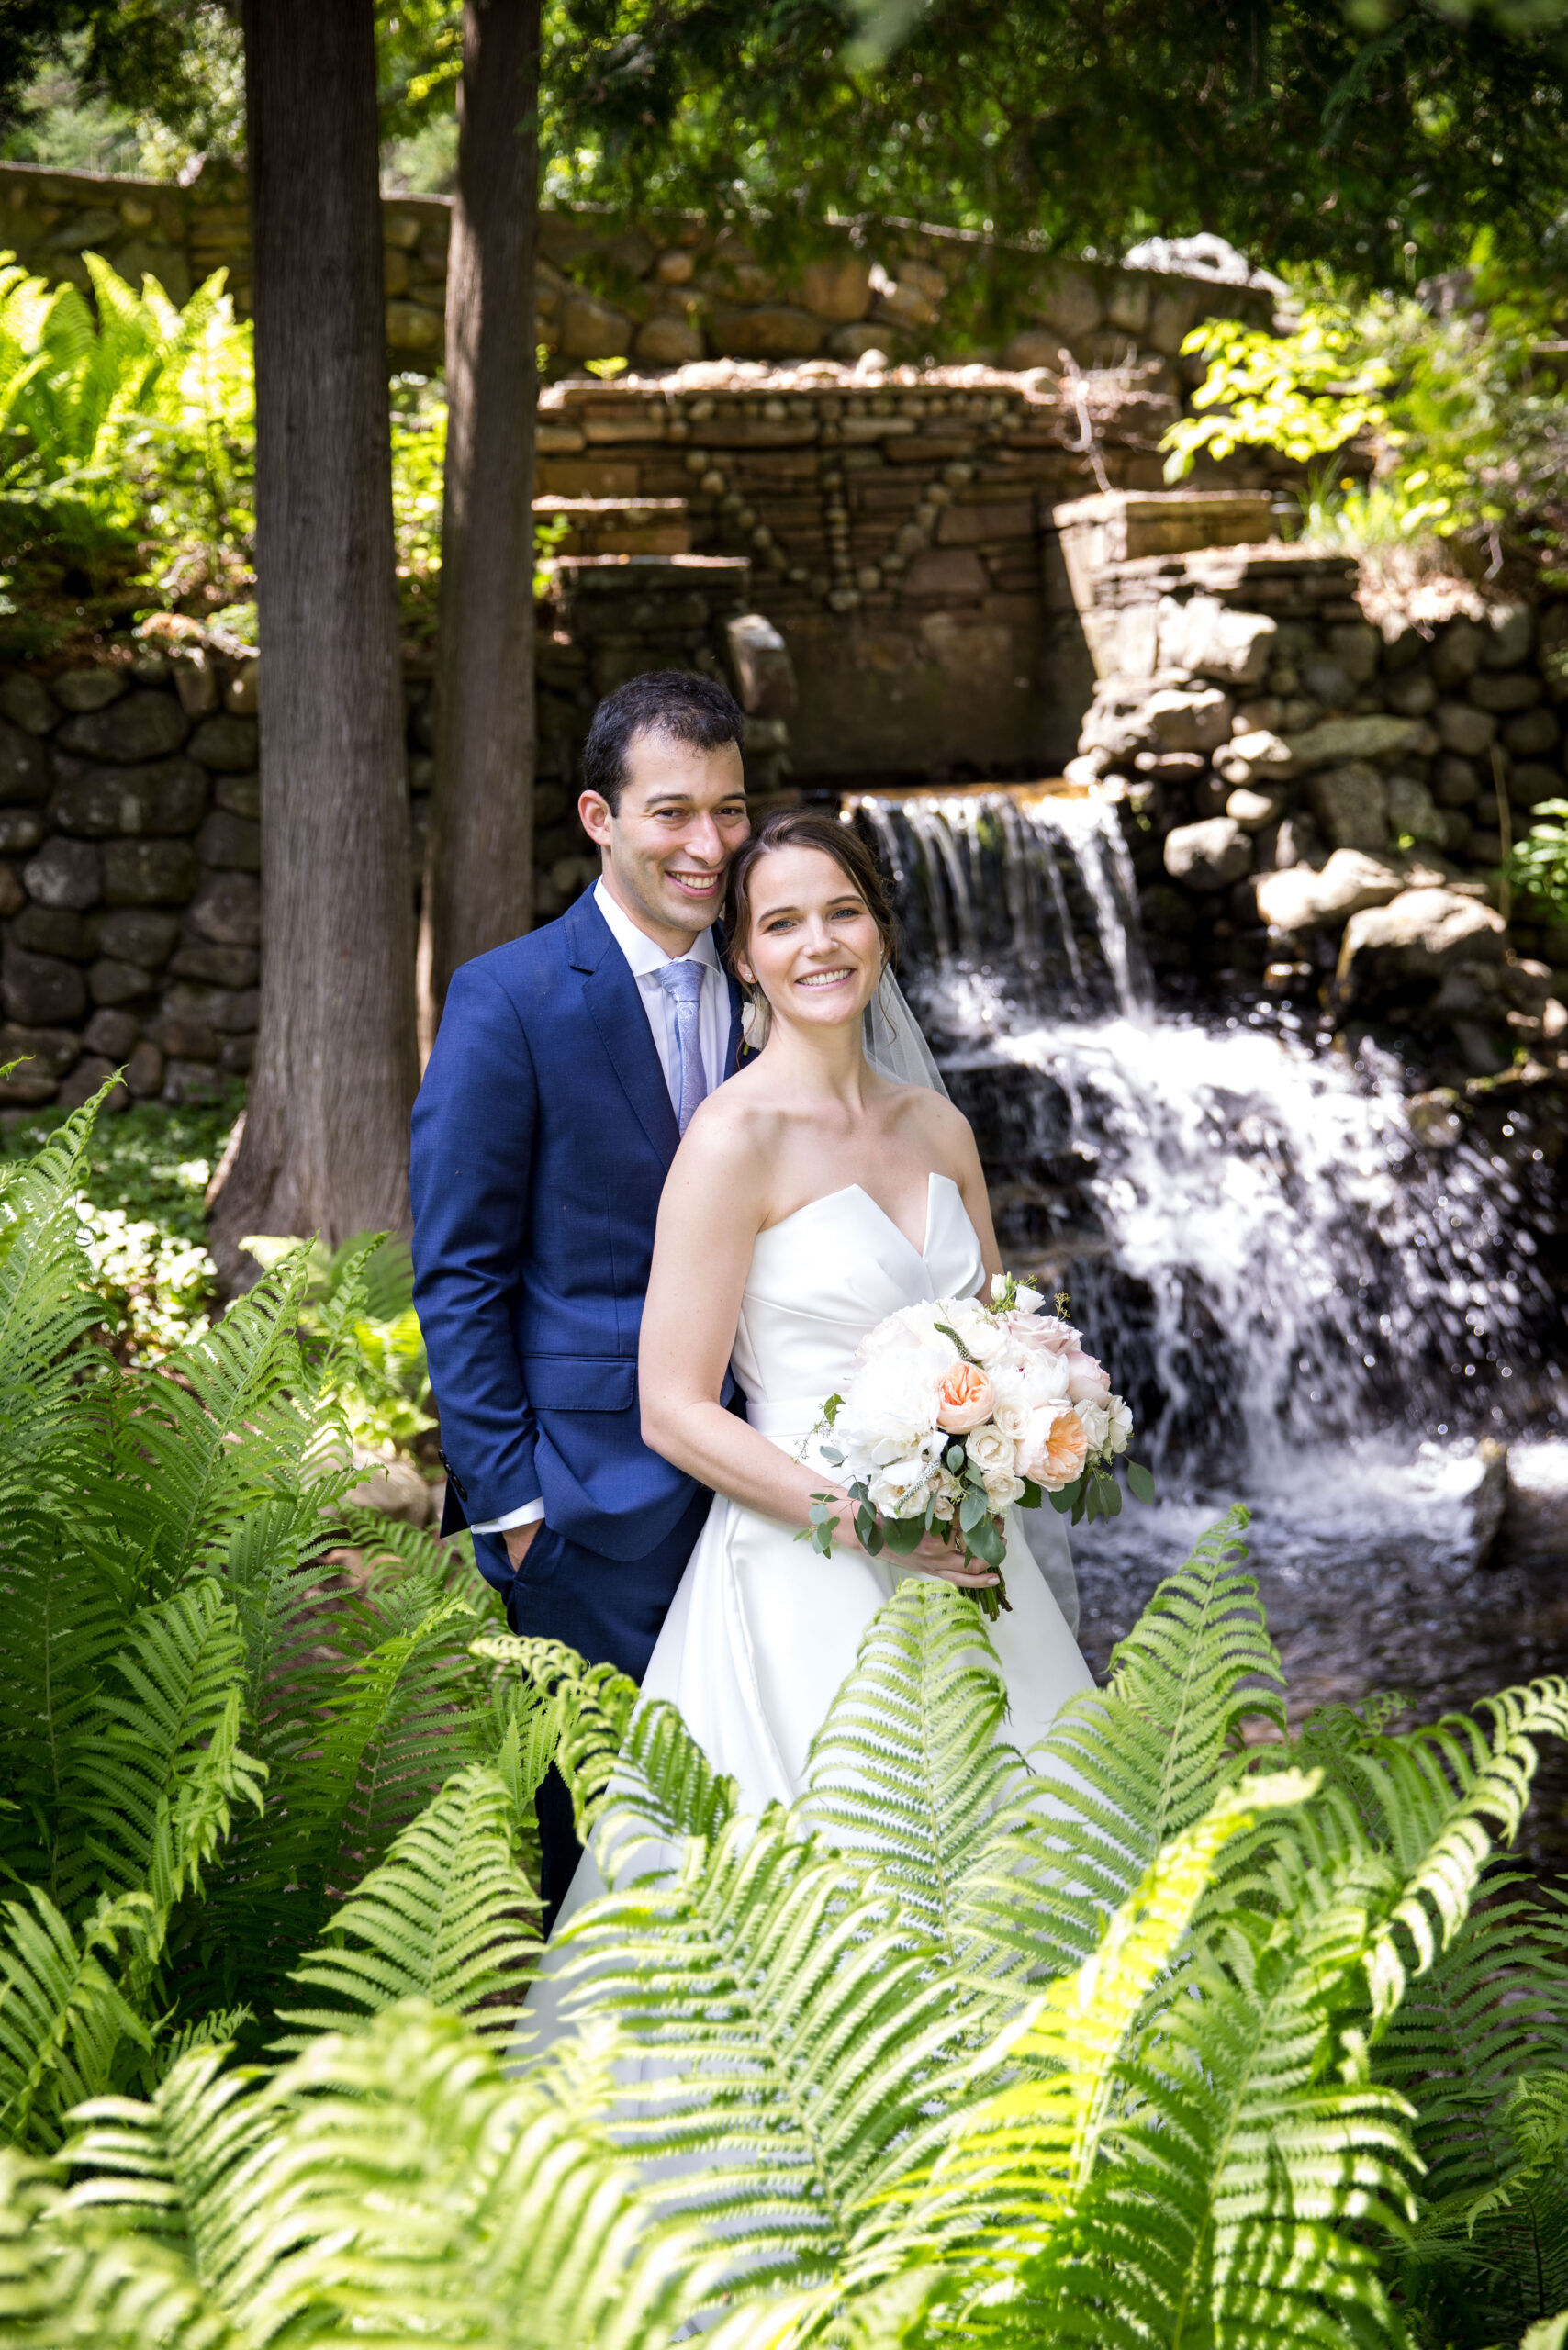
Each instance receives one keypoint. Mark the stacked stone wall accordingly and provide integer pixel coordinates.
(661, 292)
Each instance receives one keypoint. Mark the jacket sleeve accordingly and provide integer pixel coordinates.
(470, 1164)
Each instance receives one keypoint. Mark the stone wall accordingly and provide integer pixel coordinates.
(663, 292)
(1320, 806)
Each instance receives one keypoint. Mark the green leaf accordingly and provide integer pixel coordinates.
(972, 1509)
(1140, 1482)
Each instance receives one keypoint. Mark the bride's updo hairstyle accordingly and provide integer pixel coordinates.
(799, 828)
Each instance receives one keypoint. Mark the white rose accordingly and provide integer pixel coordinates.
(998, 1288)
(991, 1452)
(1025, 1299)
(901, 1488)
(912, 1330)
(1043, 1332)
(1000, 1493)
(1118, 1426)
(1095, 1413)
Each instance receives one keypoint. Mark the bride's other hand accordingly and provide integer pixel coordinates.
(931, 1556)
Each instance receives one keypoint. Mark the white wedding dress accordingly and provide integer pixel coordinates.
(763, 1630)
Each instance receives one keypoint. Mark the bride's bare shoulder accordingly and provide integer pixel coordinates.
(734, 1135)
(938, 1122)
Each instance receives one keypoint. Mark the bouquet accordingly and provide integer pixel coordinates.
(962, 1407)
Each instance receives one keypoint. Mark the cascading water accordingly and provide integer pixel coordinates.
(1312, 1303)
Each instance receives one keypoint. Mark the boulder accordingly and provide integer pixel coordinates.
(394, 1486)
(1303, 899)
(241, 795)
(107, 803)
(27, 702)
(1457, 654)
(227, 909)
(135, 934)
(1504, 690)
(1510, 630)
(1260, 758)
(1189, 721)
(1207, 639)
(136, 726)
(1393, 949)
(1455, 783)
(78, 689)
(1411, 695)
(144, 1071)
(113, 1034)
(1357, 648)
(1351, 804)
(45, 1055)
(20, 830)
(91, 1072)
(1336, 740)
(1412, 811)
(40, 990)
(1463, 728)
(1530, 735)
(197, 684)
(1208, 855)
(54, 930)
(764, 673)
(150, 873)
(231, 842)
(1253, 809)
(24, 773)
(226, 743)
(222, 967)
(113, 981)
(665, 341)
(838, 289)
(65, 873)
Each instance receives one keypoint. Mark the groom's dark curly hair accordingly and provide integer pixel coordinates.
(680, 704)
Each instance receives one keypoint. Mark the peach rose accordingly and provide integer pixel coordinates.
(1087, 1381)
(963, 1398)
(1053, 1447)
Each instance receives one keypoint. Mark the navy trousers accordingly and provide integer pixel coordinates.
(610, 1610)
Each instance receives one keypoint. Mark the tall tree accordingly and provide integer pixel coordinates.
(325, 1141)
(479, 869)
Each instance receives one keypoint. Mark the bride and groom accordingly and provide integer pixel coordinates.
(640, 1272)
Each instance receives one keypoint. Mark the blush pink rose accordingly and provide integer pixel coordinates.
(1087, 1381)
(1053, 1448)
(964, 1398)
(1042, 1333)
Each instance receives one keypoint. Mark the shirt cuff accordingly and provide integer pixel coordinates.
(528, 1514)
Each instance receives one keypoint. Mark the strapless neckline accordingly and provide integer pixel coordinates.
(846, 1191)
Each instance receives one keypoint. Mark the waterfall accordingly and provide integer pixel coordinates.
(1309, 1305)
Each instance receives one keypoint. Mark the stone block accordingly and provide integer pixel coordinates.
(1411, 694)
(1212, 641)
(414, 332)
(1530, 735)
(12, 897)
(1510, 631)
(1032, 348)
(239, 795)
(113, 1034)
(1503, 690)
(1327, 682)
(242, 689)
(663, 341)
(1412, 811)
(46, 1055)
(27, 702)
(230, 842)
(20, 830)
(197, 684)
(1260, 758)
(590, 329)
(974, 524)
(1253, 809)
(112, 981)
(227, 909)
(1071, 303)
(65, 873)
(759, 659)
(190, 1080)
(1457, 654)
(771, 330)
(144, 1071)
(1172, 314)
(1357, 648)
(1463, 728)
(82, 689)
(1408, 945)
(24, 769)
(40, 989)
(1350, 802)
(851, 344)
(838, 289)
(950, 572)
(1208, 855)
(1300, 899)
(1335, 739)
(187, 1040)
(54, 930)
(1455, 782)
(223, 967)
(225, 742)
(1529, 782)
(91, 1074)
(108, 803)
(141, 725)
(150, 872)
(237, 1055)
(135, 934)
(1195, 721)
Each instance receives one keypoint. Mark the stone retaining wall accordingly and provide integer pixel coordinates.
(663, 291)
(1320, 806)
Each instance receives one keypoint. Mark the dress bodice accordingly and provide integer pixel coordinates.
(823, 1278)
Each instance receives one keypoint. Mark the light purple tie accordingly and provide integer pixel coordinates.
(682, 982)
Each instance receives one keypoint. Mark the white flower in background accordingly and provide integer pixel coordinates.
(1025, 1299)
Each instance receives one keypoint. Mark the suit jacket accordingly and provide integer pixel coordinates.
(541, 1136)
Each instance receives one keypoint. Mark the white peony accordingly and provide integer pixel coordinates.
(913, 1329)
(890, 1409)
(984, 1334)
(1019, 1385)
(901, 1488)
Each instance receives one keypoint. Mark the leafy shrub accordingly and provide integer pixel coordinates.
(1142, 2039)
(383, 1383)
(1538, 865)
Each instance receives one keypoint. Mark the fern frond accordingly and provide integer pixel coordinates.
(45, 1304)
(594, 1705)
(62, 2281)
(64, 2018)
(449, 1915)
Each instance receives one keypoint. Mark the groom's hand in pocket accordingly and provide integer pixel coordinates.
(518, 1540)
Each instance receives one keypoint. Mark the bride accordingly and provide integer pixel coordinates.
(811, 1197)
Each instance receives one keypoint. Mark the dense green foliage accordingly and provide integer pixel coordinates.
(1177, 2031)
(1538, 865)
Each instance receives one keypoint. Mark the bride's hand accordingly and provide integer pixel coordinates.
(931, 1555)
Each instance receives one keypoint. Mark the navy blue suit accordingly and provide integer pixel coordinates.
(541, 1137)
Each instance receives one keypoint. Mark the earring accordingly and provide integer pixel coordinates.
(756, 1019)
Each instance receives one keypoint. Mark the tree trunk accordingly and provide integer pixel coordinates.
(326, 1138)
(479, 864)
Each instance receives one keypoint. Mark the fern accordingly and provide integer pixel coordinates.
(63, 2021)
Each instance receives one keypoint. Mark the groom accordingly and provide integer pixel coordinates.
(568, 1065)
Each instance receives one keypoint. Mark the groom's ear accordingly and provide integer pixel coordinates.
(593, 814)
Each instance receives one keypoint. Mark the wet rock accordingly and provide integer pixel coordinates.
(1489, 1496)
(40, 990)
(82, 689)
(150, 873)
(134, 726)
(226, 743)
(1208, 855)
(27, 703)
(1433, 1118)
(1207, 638)
(1249, 760)
(1389, 951)
(1338, 740)
(1463, 728)
(1351, 804)
(24, 772)
(65, 873)
(1300, 899)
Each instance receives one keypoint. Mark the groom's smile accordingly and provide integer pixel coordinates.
(665, 845)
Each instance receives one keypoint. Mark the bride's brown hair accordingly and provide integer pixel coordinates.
(800, 828)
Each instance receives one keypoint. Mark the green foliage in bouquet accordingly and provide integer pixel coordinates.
(1180, 2031)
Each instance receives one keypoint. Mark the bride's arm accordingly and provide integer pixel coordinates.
(714, 1205)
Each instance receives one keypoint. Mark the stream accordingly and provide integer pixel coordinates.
(1324, 1296)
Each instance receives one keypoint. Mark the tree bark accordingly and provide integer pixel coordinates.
(480, 862)
(326, 1138)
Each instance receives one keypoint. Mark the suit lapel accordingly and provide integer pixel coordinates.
(737, 1005)
(612, 996)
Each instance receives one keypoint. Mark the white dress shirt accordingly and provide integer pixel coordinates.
(645, 959)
